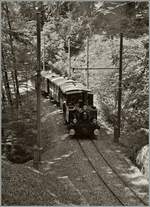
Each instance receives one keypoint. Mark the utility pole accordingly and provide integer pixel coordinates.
(26, 75)
(87, 62)
(117, 136)
(43, 52)
(37, 149)
(69, 58)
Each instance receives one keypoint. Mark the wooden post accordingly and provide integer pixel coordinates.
(37, 151)
(87, 62)
(117, 132)
(27, 83)
(26, 75)
(43, 52)
(69, 58)
(36, 157)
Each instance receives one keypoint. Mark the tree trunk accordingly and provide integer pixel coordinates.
(5, 80)
(18, 98)
(13, 81)
(4, 100)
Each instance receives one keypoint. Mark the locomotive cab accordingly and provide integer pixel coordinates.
(81, 115)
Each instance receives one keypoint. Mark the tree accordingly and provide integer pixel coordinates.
(7, 13)
(134, 87)
(5, 79)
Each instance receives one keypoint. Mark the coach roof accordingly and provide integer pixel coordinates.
(73, 86)
(48, 75)
(58, 80)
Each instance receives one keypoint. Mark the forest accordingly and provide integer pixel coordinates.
(102, 22)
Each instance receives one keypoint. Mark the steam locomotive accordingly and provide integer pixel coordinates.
(76, 102)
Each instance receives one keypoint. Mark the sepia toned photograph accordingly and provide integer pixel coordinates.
(74, 103)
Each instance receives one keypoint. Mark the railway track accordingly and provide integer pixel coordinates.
(98, 174)
(108, 175)
(97, 192)
(114, 170)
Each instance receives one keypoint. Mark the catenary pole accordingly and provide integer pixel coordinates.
(37, 152)
(116, 138)
(43, 52)
(69, 58)
(87, 55)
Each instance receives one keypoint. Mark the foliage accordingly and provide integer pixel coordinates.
(134, 86)
(142, 160)
(125, 17)
(60, 20)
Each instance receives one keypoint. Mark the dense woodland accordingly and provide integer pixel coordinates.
(102, 22)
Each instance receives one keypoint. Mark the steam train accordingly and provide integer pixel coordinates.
(75, 100)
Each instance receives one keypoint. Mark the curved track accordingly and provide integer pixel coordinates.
(98, 174)
(85, 146)
(113, 169)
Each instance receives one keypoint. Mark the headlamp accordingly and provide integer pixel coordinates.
(96, 132)
(72, 132)
(74, 120)
(84, 115)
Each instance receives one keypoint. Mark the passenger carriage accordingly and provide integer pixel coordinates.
(55, 87)
(52, 86)
(45, 75)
